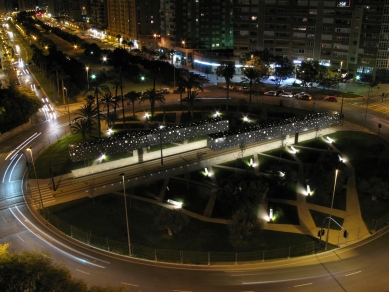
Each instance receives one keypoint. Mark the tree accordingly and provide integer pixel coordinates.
(327, 78)
(34, 271)
(130, 44)
(153, 96)
(375, 187)
(79, 126)
(107, 101)
(242, 224)
(282, 70)
(116, 85)
(172, 220)
(192, 98)
(208, 70)
(308, 73)
(98, 90)
(132, 96)
(88, 113)
(226, 70)
(251, 74)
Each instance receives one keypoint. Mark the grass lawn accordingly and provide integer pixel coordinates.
(57, 155)
(317, 143)
(280, 153)
(284, 213)
(308, 156)
(197, 176)
(130, 126)
(46, 85)
(267, 163)
(318, 218)
(339, 200)
(287, 191)
(150, 191)
(106, 219)
(194, 197)
(243, 163)
(169, 117)
(221, 173)
(373, 162)
(158, 147)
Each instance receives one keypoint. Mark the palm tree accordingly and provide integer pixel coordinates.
(107, 101)
(250, 74)
(181, 82)
(98, 90)
(130, 44)
(132, 96)
(192, 82)
(79, 126)
(226, 70)
(152, 95)
(192, 98)
(87, 112)
(118, 38)
(116, 86)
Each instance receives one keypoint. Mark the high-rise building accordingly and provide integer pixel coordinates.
(133, 20)
(98, 13)
(352, 35)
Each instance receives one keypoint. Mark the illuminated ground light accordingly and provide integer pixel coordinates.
(251, 162)
(147, 115)
(293, 150)
(110, 131)
(176, 205)
(246, 119)
(341, 159)
(308, 191)
(206, 172)
(270, 215)
(329, 140)
(102, 157)
(216, 114)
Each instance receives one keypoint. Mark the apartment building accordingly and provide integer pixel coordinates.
(134, 20)
(352, 35)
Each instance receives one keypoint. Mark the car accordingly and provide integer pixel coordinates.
(231, 86)
(164, 91)
(279, 92)
(273, 93)
(305, 97)
(297, 95)
(286, 94)
(178, 90)
(331, 99)
(243, 88)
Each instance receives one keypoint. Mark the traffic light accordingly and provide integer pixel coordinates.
(320, 232)
(345, 234)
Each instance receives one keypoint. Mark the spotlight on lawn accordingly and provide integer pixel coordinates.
(270, 214)
(206, 171)
(246, 119)
(308, 191)
(329, 140)
(110, 131)
(102, 157)
(341, 159)
(293, 150)
(147, 115)
(176, 205)
(217, 114)
(251, 162)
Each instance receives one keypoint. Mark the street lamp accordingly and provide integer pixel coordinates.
(160, 140)
(87, 75)
(183, 42)
(67, 101)
(341, 106)
(125, 206)
(332, 204)
(155, 41)
(37, 182)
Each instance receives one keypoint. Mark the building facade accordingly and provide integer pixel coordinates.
(348, 35)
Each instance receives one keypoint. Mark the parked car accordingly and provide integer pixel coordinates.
(331, 99)
(164, 91)
(243, 88)
(177, 90)
(305, 97)
(273, 93)
(298, 94)
(279, 92)
(231, 87)
(287, 94)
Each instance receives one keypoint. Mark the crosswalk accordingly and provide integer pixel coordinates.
(45, 192)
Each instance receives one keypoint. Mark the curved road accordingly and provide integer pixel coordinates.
(361, 267)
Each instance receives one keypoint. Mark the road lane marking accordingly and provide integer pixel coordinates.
(82, 271)
(303, 285)
(352, 273)
(20, 238)
(4, 219)
(128, 284)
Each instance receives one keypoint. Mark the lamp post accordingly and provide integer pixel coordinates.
(87, 75)
(332, 204)
(341, 106)
(125, 206)
(367, 102)
(160, 140)
(37, 182)
(67, 101)
(155, 41)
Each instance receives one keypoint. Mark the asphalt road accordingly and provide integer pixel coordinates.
(361, 267)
